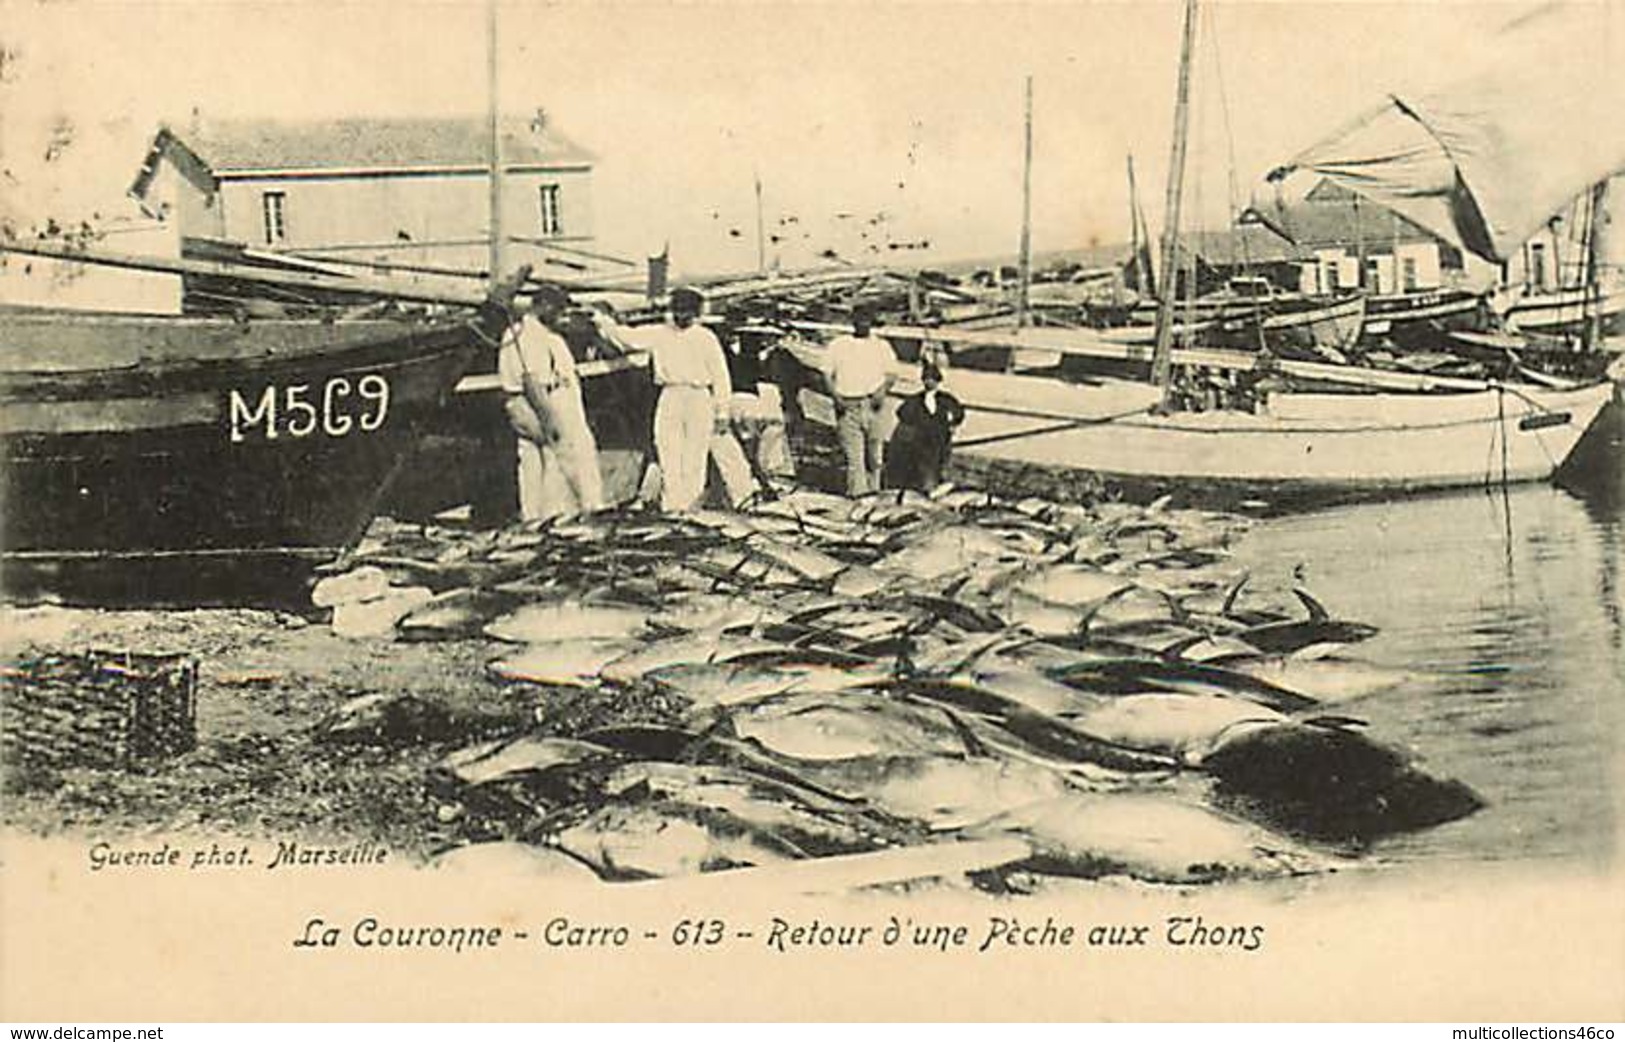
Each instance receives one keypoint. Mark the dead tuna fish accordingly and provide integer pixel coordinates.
(562, 662)
(564, 620)
(1153, 837)
(1325, 781)
(1319, 628)
(1047, 734)
(479, 860)
(710, 684)
(456, 614)
(750, 804)
(852, 725)
(803, 560)
(693, 648)
(509, 758)
(1073, 585)
(944, 552)
(706, 611)
(1183, 726)
(1330, 680)
(1136, 675)
(948, 792)
(649, 841)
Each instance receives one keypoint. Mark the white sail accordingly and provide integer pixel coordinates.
(1485, 161)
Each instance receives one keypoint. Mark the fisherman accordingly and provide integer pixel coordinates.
(758, 406)
(859, 377)
(558, 455)
(919, 448)
(692, 422)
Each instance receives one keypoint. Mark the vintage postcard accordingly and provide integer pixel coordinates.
(811, 512)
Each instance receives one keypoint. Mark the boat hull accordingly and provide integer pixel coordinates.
(1565, 312)
(1309, 446)
(221, 459)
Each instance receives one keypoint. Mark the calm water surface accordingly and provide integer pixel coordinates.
(1513, 607)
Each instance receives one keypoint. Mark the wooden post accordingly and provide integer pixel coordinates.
(1026, 262)
(761, 239)
(1161, 360)
(495, 263)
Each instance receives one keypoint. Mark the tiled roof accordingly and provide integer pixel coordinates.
(1243, 244)
(374, 144)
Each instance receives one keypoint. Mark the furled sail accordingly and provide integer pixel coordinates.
(1485, 161)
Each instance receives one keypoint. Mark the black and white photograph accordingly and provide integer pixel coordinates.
(786, 511)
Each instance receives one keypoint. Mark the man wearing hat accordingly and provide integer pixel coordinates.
(558, 455)
(692, 422)
(859, 376)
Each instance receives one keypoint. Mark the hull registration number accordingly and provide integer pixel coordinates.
(339, 406)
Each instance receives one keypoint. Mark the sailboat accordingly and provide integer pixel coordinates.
(1401, 432)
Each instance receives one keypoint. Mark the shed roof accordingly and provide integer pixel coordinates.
(1243, 244)
(240, 146)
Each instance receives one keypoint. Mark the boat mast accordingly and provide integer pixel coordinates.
(494, 263)
(1592, 299)
(761, 240)
(1161, 360)
(1026, 262)
(1140, 235)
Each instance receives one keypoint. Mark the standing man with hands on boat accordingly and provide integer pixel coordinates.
(558, 455)
(860, 374)
(693, 425)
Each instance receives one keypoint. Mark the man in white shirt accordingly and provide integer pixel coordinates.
(692, 424)
(860, 374)
(558, 455)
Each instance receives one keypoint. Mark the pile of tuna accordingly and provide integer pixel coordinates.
(955, 680)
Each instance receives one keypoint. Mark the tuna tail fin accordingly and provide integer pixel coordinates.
(974, 747)
(1317, 611)
(1235, 592)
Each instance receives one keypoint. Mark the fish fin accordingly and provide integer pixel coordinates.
(1317, 611)
(1175, 652)
(1334, 722)
(1095, 608)
(1235, 592)
(1160, 504)
(974, 747)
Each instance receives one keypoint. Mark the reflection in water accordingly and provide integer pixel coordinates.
(1512, 604)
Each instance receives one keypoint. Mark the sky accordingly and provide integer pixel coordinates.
(906, 116)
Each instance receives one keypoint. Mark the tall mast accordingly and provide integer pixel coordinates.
(1162, 359)
(1139, 234)
(494, 264)
(1591, 336)
(1026, 216)
(761, 240)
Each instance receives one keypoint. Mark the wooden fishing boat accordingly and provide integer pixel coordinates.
(1393, 433)
(1565, 313)
(153, 459)
(1406, 317)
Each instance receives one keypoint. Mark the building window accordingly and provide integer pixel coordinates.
(1412, 282)
(1329, 280)
(1373, 275)
(552, 220)
(273, 207)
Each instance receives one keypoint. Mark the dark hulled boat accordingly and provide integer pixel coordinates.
(181, 460)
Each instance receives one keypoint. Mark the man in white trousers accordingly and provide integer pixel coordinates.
(692, 422)
(558, 455)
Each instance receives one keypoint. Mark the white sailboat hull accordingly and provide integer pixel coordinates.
(1309, 443)
(1565, 310)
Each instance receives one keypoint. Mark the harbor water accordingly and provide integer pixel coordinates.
(1509, 607)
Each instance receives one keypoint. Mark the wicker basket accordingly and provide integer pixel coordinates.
(105, 709)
